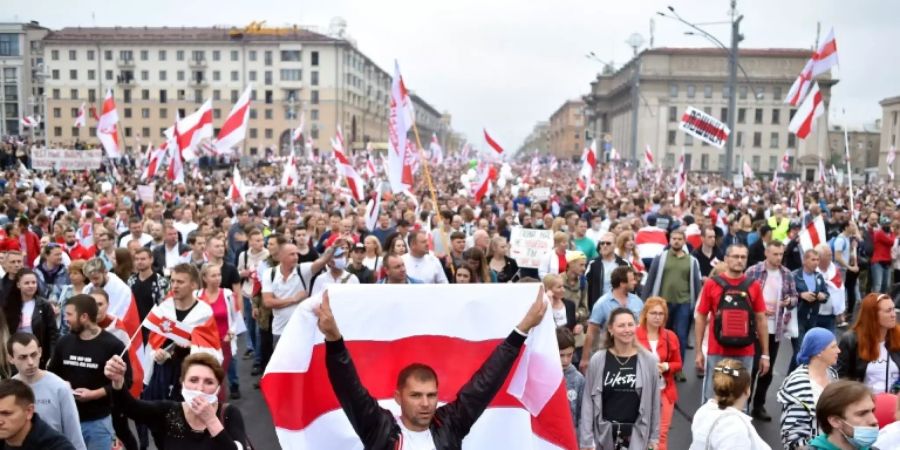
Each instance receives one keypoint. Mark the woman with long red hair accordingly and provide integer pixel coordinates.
(663, 343)
(870, 352)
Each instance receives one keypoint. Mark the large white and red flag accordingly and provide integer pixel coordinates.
(197, 329)
(154, 159)
(648, 157)
(194, 128)
(837, 294)
(812, 234)
(297, 134)
(588, 163)
(123, 306)
(351, 176)
(81, 119)
(398, 326)
(175, 169)
(493, 143)
(801, 85)
(826, 56)
(650, 242)
(237, 190)
(290, 177)
(482, 184)
(810, 110)
(681, 181)
(30, 121)
(107, 126)
(400, 121)
(234, 130)
(437, 152)
(370, 167)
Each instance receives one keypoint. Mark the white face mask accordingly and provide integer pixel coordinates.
(190, 394)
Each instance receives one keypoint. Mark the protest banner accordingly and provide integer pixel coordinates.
(540, 194)
(704, 127)
(147, 192)
(528, 246)
(61, 159)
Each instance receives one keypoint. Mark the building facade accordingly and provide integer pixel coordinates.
(538, 139)
(669, 80)
(890, 129)
(21, 76)
(865, 147)
(567, 127)
(428, 119)
(158, 73)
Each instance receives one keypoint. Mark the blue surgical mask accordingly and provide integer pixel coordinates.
(863, 437)
(340, 263)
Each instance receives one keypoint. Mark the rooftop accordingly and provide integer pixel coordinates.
(181, 34)
(715, 51)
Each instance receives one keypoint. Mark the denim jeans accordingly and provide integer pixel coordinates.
(680, 323)
(232, 370)
(98, 434)
(711, 361)
(250, 322)
(881, 278)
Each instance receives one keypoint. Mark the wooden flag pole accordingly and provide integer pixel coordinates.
(434, 198)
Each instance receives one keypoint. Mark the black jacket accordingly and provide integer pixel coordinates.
(378, 429)
(756, 253)
(363, 274)
(43, 437)
(594, 275)
(159, 256)
(850, 365)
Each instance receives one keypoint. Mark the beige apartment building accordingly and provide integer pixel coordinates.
(158, 73)
(21, 76)
(567, 130)
(865, 146)
(671, 79)
(890, 128)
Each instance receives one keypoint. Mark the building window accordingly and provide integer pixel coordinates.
(54, 74)
(726, 91)
(126, 55)
(691, 91)
(162, 75)
(198, 55)
(314, 78)
(145, 131)
(757, 139)
(145, 55)
(74, 112)
(162, 55)
(217, 95)
(127, 113)
(704, 161)
(9, 44)
(57, 131)
(269, 97)
(162, 96)
(776, 116)
(252, 75)
(235, 76)
(314, 132)
(109, 75)
(57, 113)
(314, 58)
(758, 116)
(217, 113)
(760, 93)
(252, 55)
(92, 95)
(773, 163)
(756, 160)
(290, 55)
(742, 92)
(75, 132)
(267, 56)
(54, 54)
(198, 95)
(723, 115)
(216, 55)
(672, 136)
(314, 97)
(707, 91)
(314, 114)
(145, 94)
(73, 74)
(234, 55)
(91, 74)
(73, 94)
(673, 113)
(90, 55)
(792, 140)
(742, 115)
(127, 131)
(740, 139)
(234, 95)
(56, 94)
(673, 90)
(776, 93)
(180, 75)
(108, 55)
(216, 75)
(253, 112)
(773, 140)
(288, 75)
(268, 77)
(253, 133)
(269, 133)
(688, 140)
(179, 55)
(73, 55)
(792, 113)
(163, 113)
(267, 113)
(145, 113)
(145, 75)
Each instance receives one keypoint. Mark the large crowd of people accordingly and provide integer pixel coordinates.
(634, 277)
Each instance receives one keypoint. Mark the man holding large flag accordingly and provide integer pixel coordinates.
(422, 424)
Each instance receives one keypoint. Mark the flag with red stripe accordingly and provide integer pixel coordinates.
(396, 326)
(123, 306)
(813, 234)
(494, 145)
(810, 110)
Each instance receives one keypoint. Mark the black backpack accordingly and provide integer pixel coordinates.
(735, 321)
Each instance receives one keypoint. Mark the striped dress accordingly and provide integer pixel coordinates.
(798, 410)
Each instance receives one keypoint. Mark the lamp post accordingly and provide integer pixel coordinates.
(736, 38)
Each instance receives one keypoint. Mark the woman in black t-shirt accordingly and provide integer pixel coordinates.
(200, 422)
(621, 410)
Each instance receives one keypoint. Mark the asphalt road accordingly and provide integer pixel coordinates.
(262, 433)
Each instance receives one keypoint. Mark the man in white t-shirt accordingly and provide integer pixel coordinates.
(287, 284)
(780, 296)
(336, 272)
(420, 264)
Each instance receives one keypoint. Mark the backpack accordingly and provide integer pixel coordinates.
(299, 274)
(735, 322)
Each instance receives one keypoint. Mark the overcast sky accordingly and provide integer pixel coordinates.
(503, 65)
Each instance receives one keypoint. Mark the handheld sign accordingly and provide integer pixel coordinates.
(704, 127)
(528, 246)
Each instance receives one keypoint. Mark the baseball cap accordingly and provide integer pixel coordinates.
(359, 246)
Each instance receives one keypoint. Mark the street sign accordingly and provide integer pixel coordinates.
(704, 127)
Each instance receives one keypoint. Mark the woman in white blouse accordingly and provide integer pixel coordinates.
(720, 424)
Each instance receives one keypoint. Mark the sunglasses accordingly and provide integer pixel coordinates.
(605, 243)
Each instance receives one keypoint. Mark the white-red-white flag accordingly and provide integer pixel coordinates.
(289, 176)
(492, 143)
(107, 127)
(370, 167)
(813, 234)
(748, 171)
(800, 207)
(297, 134)
(648, 157)
(681, 182)
(175, 169)
(30, 121)
(385, 333)
(400, 121)
(373, 209)
(194, 128)
(588, 164)
(810, 110)
(801, 85)
(650, 242)
(837, 294)
(81, 119)
(351, 176)
(826, 56)
(236, 191)
(234, 130)
(437, 152)
(482, 184)
(197, 329)
(822, 175)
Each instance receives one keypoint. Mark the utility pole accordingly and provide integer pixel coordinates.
(736, 38)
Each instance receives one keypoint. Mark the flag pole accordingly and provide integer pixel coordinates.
(849, 172)
(130, 340)
(433, 198)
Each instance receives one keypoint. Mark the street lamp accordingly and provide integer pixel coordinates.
(736, 38)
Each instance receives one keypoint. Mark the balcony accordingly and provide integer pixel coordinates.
(197, 63)
(125, 63)
(125, 81)
(198, 84)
